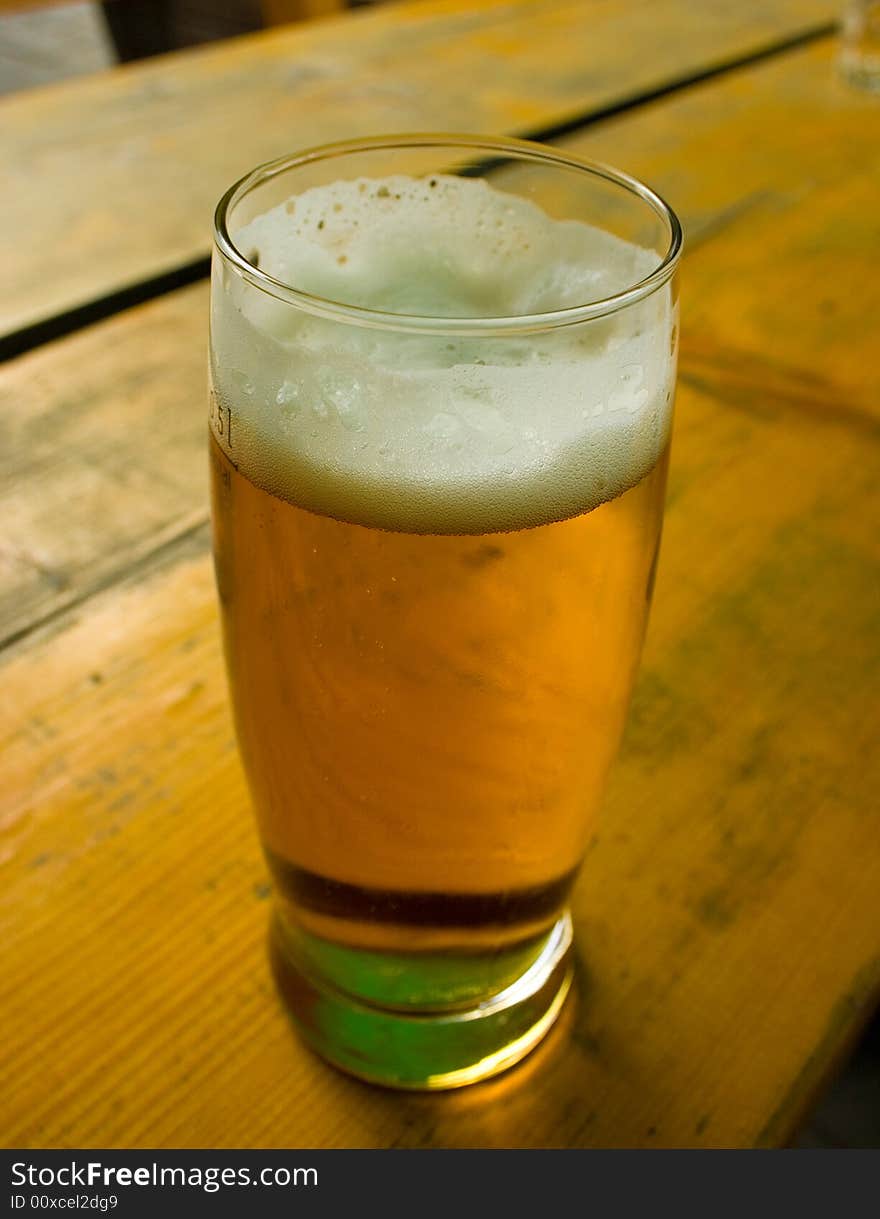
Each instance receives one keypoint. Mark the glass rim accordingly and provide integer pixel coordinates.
(523, 150)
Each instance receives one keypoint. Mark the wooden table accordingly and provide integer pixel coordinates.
(728, 912)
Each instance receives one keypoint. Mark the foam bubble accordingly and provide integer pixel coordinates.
(434, 434)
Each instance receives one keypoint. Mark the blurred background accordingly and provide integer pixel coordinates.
(42, 42)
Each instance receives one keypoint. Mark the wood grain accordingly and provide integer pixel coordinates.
(112, 179)
(727, 914)
(104, 433)
(103, 454)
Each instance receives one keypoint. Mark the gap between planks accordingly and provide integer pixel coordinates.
(18, 342)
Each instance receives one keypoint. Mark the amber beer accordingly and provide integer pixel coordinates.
(440, 425)
(427, 720)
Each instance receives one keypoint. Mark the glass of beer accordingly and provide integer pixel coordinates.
(442, 376)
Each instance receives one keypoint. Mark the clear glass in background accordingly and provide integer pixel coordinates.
(859, 53)
(436, 527)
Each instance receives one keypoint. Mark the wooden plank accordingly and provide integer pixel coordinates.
(728, 910)
(112, 179)
(103, 454)
(105, 431)
(727, 914)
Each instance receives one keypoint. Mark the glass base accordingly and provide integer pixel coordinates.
(425, 1021)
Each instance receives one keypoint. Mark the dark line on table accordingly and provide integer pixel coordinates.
(577, 122)
(62, 324)
(113, 578)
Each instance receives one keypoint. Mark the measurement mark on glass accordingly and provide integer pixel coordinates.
(221, 426)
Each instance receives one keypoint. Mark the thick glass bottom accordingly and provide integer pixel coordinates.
(414, 1020)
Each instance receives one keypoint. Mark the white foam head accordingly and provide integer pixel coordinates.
(427, 433)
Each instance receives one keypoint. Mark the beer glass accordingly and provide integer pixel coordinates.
(859, 49)
(442, 374)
